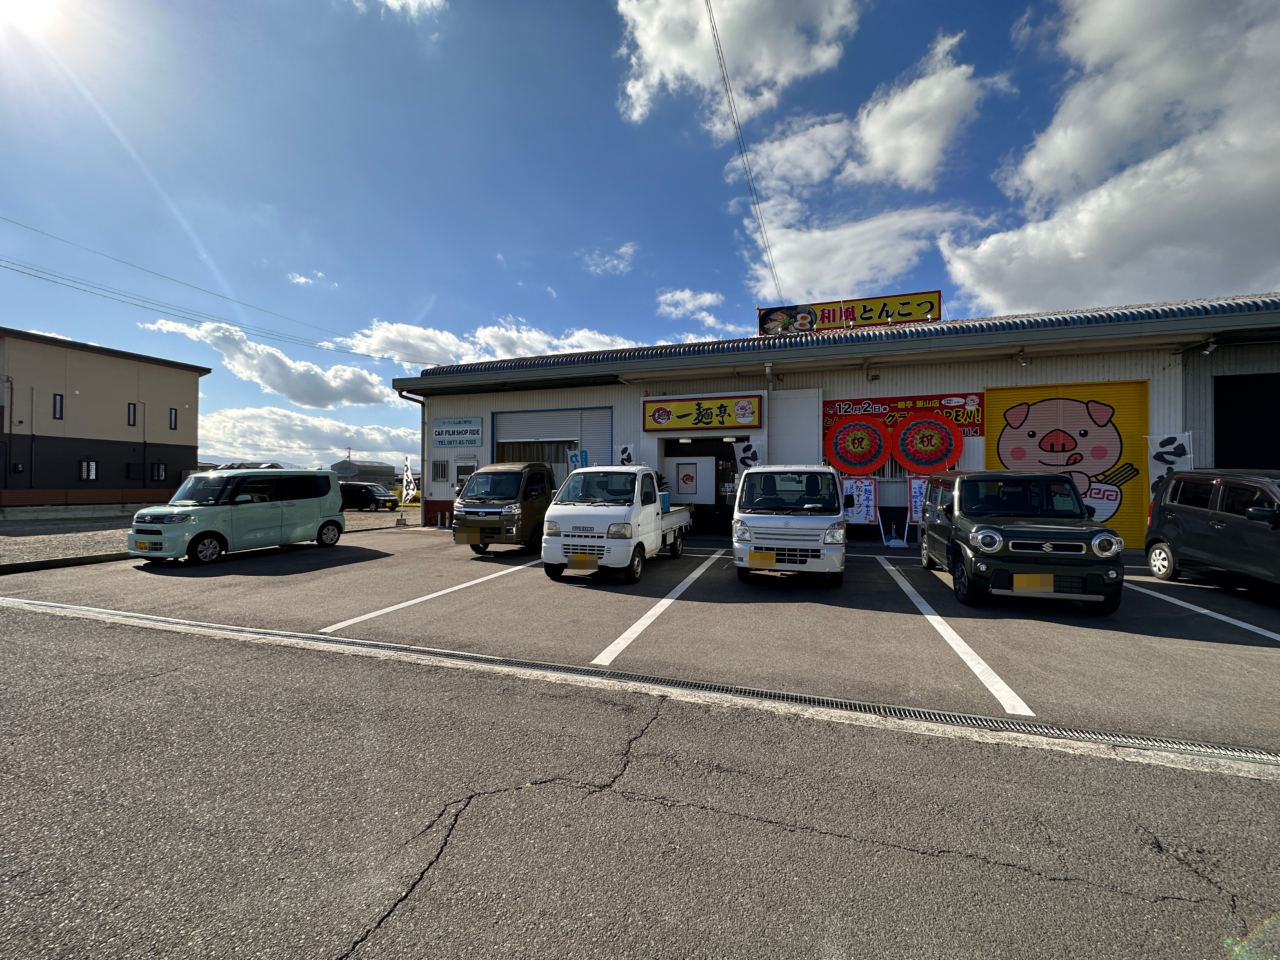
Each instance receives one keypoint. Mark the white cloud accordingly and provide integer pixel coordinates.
(501, 259)
(509, 337)
(300, 279)
(618, 262)
(46, 333)
(300, 381)
(1156, 178)
(410, 8)
(682, 303)
(256, 432)
(554, 295)
(768, 44)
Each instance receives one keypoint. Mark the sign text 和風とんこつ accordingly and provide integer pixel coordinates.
(705, 413)
(843, 314)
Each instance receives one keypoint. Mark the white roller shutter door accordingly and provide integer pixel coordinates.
(537, 425)
(597, 435)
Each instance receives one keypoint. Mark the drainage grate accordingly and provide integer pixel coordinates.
(971, 721)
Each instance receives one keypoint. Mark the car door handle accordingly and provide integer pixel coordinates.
(1168, 514)
(1217, 524)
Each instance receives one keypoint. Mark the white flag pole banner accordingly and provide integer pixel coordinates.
(1168, 453)
(625, 455)
(863, 490)
(915, 499)
(749, 455)
(410, 489)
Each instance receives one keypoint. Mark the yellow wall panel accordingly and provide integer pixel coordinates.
(1093, 432)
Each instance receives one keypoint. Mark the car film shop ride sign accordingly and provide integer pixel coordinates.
(704, 413)
(845, 314)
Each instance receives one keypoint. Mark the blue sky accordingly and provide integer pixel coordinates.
(449, 181)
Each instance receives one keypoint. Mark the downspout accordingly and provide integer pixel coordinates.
(8, 431)
(422, 457)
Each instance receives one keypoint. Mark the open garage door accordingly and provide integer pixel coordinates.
(550, 436)
(1244, 422)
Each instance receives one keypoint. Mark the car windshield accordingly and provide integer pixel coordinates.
(795, 491)
(598, 487)
(1050, 497)
(377, 488)
(201, 491)
(492, 486)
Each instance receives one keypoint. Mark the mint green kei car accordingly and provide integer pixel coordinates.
(228, 510)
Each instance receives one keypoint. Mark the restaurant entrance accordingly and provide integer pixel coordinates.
(712, 503)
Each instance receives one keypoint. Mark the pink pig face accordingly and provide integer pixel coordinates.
(1070, 436)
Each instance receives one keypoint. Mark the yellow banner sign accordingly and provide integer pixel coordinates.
(703, 413)
(844, 314)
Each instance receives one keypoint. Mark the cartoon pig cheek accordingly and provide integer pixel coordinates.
(1018, 453)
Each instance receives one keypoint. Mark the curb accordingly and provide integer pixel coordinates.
(29, 565)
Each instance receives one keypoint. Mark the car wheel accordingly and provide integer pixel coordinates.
(1104, 609)
(677, 546)
(553, 570)
(329, 534)
(835, 580)
(634, 569)
(966, 591)
(744, 575)
(534, 543)
(1161, 562)
(479, 548)
(205, 549)
(926, 561)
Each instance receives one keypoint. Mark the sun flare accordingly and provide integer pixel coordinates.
(29, 16)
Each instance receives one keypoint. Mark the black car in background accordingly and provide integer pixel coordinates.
(366, 496)
(1224, 524)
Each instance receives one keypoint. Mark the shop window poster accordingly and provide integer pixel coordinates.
(1094, 433)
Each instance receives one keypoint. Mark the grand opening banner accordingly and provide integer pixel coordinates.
(845, 314)
(923, 433)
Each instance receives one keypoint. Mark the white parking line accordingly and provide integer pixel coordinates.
(429, 596)
(612, 650)
(1208, 613)
(1011, 702)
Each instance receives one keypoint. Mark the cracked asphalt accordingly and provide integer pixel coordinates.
(170, 795)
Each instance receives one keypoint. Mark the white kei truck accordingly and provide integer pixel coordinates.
(610, 518)
(790, 519)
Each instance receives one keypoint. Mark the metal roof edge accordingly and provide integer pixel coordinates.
(70, 344)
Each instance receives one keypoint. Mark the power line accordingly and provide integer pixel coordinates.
(742, 152)
(186, 313)
(164, 276)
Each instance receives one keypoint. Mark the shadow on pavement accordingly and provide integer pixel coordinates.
(269, 562)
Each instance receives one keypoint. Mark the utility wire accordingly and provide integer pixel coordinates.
(742, 152)
(185, 313)
(163, 276)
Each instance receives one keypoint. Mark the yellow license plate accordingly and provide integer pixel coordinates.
(761, 560)
(466, 535)
(140, 545)
(1033, 583)
(583, 561)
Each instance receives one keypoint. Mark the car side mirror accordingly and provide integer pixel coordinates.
(244, 498)
(1090, 510)
(949, 509)
(848, 501)
(1263, 514)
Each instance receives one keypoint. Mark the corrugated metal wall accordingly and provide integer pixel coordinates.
(1199, 371)
(1161, 367)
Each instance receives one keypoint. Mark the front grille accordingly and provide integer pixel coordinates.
(796, 555)
(590, 549)
(1063, 584)
(156, 547)
(1038, 546)
(583, 536)
(149, 519)
(153, 533)
(482, 514)
(784, 535)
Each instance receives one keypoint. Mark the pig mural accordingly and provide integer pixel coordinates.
(1074, 437)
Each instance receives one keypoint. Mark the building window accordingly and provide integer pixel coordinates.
(133, 414)
(173, 418)
(57, 406)
(88, 469)
(439, 471)
(159, 471)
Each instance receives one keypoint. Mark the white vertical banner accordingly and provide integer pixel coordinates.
(863, 490)
(915, 498)
(1168, 453)
(625, 455)
(410, 487)
(751, 454)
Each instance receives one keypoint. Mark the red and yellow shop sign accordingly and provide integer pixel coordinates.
(704, 413)
(924, 433)
(843, 314)
(1092, 432)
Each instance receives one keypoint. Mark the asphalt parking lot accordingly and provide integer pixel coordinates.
(1155, 668)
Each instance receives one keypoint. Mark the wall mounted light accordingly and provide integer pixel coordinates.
(686, 440)
(1209, 347)
(1022, 360)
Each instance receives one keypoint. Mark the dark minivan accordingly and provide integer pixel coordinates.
(368, 496)
(1222, 523)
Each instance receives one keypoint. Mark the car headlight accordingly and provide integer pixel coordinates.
(741, 531)
(1107, 545)
(550, 528)
(988, 541)
(177, 518)
(511, 510)
(619, 531)
(457, 507)
(835, 533)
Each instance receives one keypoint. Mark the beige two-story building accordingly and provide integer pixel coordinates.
(81, 423)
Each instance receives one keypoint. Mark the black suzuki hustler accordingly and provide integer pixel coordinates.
(1007, 533)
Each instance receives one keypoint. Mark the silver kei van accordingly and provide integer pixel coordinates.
(226, 510)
